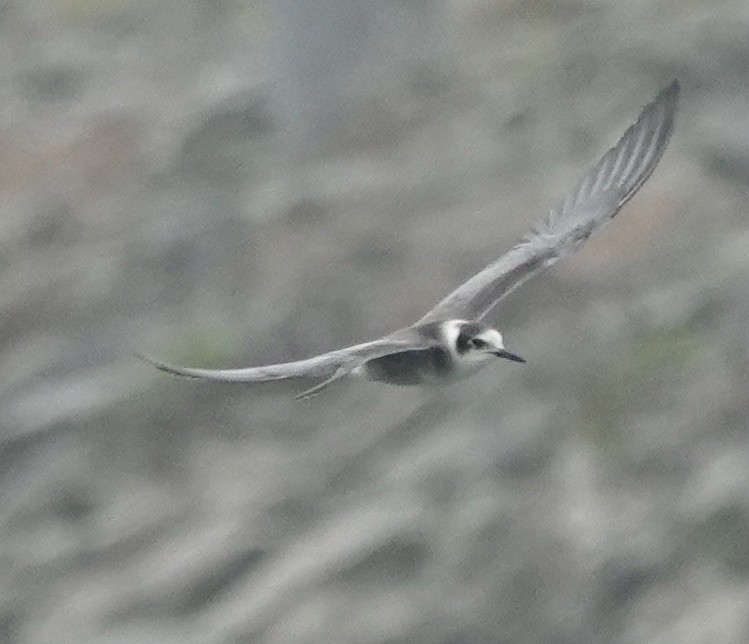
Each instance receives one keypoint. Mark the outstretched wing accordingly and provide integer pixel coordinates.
(340, 362)
(594, 201)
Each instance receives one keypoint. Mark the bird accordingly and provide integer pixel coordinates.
(453, 340)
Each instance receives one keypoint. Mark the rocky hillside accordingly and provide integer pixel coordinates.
(227, 183)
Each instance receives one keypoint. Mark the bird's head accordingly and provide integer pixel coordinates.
(477, 342)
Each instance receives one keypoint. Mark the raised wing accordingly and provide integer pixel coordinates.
(330, 365)
(594, 201)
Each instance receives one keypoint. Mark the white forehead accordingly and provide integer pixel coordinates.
(493, 336)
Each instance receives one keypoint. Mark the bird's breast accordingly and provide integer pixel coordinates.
(412, 367)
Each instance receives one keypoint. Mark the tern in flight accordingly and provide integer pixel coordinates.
(452, 341)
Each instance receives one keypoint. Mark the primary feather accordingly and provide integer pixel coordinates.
(595, 200)
(322, 366)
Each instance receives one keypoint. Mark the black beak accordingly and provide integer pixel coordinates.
(510, 356)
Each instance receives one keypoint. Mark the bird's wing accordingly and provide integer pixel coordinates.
(594, 201)
(325, 365)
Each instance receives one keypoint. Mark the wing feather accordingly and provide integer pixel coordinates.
(322, 366)
(599, 195)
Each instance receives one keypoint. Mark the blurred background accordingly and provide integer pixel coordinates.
(227, 182)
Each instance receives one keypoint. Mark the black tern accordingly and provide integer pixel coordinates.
(451, 341)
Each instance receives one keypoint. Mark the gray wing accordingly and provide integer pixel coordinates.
(337, 362)
(594, 201)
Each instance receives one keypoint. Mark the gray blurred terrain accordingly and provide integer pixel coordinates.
(224, 183)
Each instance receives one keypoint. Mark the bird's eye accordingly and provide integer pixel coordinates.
(479, 343)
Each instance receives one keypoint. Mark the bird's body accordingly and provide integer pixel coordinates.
(451, 358)
(451, 341)
(433, 365)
